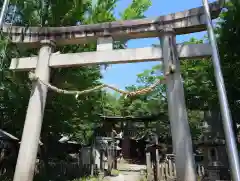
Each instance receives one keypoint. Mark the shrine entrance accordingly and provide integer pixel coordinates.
(133, 134)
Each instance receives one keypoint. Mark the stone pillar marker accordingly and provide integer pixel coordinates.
(33, 122)
(181, 136)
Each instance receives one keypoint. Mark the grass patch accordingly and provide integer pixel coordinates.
(115, 172)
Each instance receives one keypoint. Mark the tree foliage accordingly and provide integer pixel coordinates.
(67, 115)
(228, 30)
(199, 84)
(64, 114)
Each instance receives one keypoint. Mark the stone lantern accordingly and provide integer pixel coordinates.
(212, 145)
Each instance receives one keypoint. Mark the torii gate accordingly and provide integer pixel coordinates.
(165, 27)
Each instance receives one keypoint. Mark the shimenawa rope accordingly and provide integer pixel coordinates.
(33, 77)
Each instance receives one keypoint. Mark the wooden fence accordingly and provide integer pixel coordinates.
(167, 171)
(57, 171)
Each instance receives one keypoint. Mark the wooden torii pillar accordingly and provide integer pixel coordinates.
(189, 21)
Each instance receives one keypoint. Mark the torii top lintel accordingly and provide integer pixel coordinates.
(188, 21)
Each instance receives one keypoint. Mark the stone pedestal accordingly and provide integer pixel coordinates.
(216, 171)
(213, 147)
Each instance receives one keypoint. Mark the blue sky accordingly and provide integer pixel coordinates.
(122, 75)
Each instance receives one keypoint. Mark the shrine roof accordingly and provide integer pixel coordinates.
(209, 143)
(7, 136)
(146, 118)
(154, 146)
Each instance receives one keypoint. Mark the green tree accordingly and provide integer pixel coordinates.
(199, 84)
(152, 103)
(64, 114)
(228, 29)
(200, 93)
(155, 102)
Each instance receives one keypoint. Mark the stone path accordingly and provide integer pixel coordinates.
(132, 176)
(125, 177)
(120, 177)
(128, 172)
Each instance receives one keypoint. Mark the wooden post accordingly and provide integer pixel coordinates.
(114, 151)
(182, 141)
(93, 157)
(33, 123)
(157, 158)
(101, 161)
(149, 166)
(110, 158)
